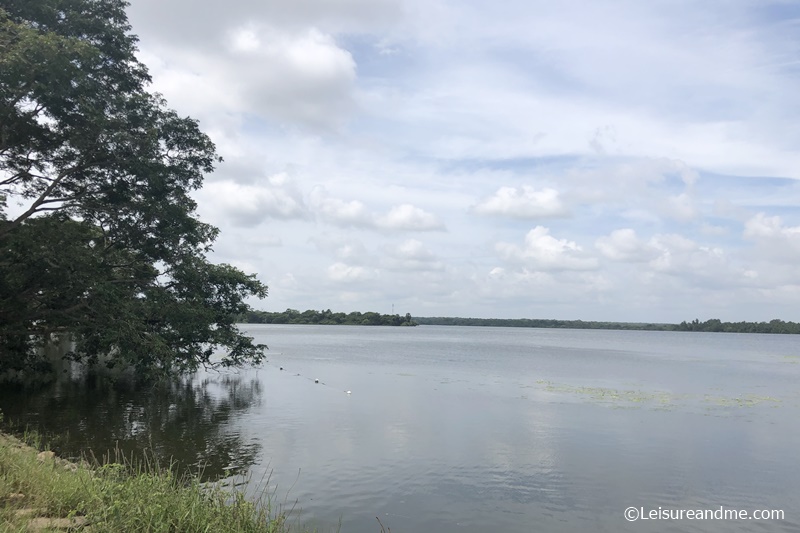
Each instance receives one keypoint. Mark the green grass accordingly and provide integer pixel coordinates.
(124, 496)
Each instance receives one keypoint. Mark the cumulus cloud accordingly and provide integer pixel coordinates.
(411, 255)
(763, 226)
(340, 212)
(354, 250)
(624, 245)
(497, 273)
(300, 79)
(342, 272)
(680, 255)
(341, 248)
(413, 249)
(681, 207)
(250, 205)
(523, 202)
(698, 265)
(403, 217)
(773, 239)
(682, 259)
(542, 251)
(408, 217)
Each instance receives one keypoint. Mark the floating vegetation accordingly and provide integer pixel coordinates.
(746, 400)
(606, 394)
(791, 359)
(657, 400)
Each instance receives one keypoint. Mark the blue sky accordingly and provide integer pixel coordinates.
(613, 160)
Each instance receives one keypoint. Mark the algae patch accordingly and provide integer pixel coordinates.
(657, 400)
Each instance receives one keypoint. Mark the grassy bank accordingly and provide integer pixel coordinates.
(41, 492)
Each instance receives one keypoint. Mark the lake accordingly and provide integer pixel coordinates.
(469, 429)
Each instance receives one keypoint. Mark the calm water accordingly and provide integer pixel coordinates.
(459, 429)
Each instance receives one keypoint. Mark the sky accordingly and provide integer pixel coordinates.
(613, 160)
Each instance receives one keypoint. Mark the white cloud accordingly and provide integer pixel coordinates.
(692, 264)
(680, 255)
(404, 217)
(541, 251)
(300, 79)
(250, 205)
(497, 273)
(409, 217)
(342, 272)
(681, 207)
(712, 230)
(341, 248)
(674, 255)
(523, 202)
(412, 249)
(624, 245)
(675, 261)
(245, 40)
(350, 251)
(338, 211)
(774, 241)
(411, 255)
(763, 226)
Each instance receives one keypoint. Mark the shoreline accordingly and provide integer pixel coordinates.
(42, 492)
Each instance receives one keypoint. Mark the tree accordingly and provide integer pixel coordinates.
(104, 243)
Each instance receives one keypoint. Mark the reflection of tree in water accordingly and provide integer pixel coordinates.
(189, 421)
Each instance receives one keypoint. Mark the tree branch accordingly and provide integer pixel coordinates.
(35, 207)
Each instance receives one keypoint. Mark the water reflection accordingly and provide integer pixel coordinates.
(189, 421)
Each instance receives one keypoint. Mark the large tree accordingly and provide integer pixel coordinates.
(99, 237)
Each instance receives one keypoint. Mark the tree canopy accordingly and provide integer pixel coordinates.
(99, 237)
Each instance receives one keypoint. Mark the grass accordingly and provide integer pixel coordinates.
(41, 492)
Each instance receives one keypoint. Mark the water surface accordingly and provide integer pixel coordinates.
(469, 429)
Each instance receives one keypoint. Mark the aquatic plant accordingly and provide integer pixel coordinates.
(655, 399)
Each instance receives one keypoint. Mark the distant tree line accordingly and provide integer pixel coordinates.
(773, 326)
(714, 324)
(293, 316)
(539, 323)
(327, 317)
